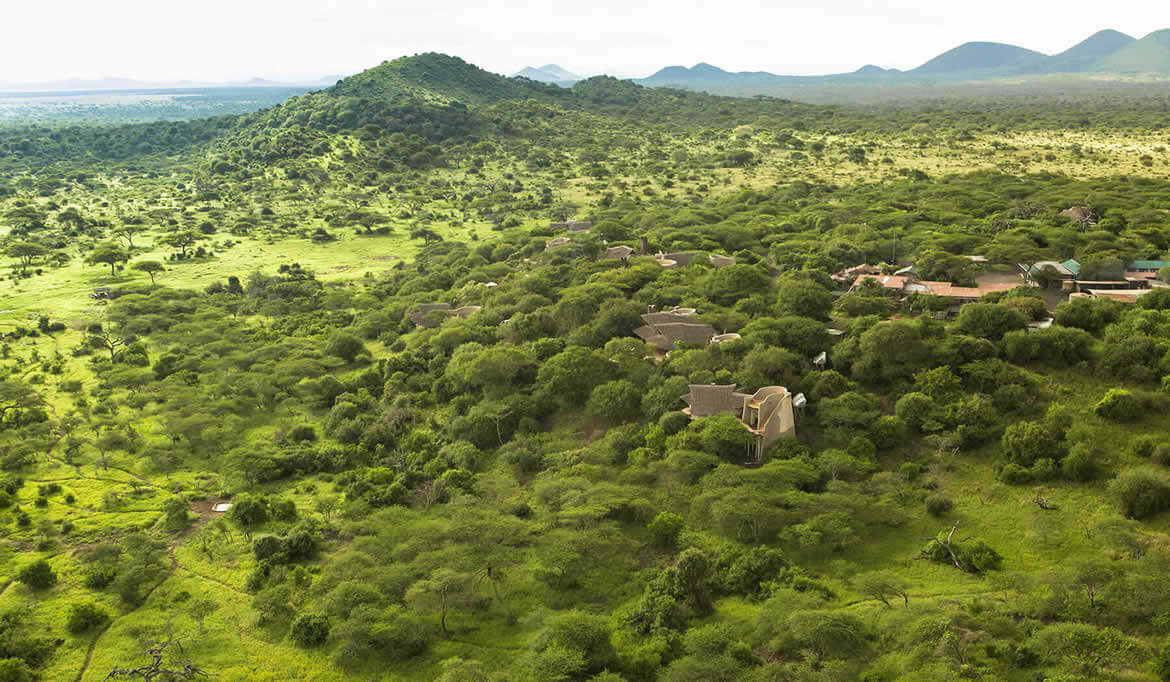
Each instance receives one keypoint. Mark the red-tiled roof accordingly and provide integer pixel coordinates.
(887, 281)
(948, 289)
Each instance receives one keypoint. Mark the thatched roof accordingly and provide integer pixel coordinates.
(421, 315)
(667, 317)
(665, 336)
(682, 258)
(705, 400)
(617, 253)
(1079, 214)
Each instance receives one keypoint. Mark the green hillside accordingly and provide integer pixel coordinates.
(440, 78)
(979, 57)
(332, 391)
(1086, 55)
(1151, 54)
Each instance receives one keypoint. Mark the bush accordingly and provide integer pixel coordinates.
(1081, 464)
(1119, 405)
(100, 577)
(1014, 474)
(888, 432)
(303, 433)
(673, 422)
(345, 346)
(1141, 493)
(665, 528)
(975, 557)
(310, 630)
(85, 616)
(914, 409)
(937, 505)
(1024, 443)
(615, 401)
(1144, 447)
(38, 575)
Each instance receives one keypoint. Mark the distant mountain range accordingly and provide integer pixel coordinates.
(549, 73)
(1104, 53)
(110, 84)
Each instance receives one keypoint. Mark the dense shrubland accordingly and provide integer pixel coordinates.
(516, 494)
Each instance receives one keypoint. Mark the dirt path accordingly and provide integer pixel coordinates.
(203, 518)
(110, 623)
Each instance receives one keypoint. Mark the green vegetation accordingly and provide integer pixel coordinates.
(228, 312)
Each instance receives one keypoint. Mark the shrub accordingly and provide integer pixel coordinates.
(310, 630)
(975, 557)
(615, 401)
(673, 422)
(1144, 447)
(38, 575)
(1141, 493)
(1081, 463)
(1024, 443)
(888, 432)
(267, 546)
(1014, 474)
(914, 409)
(1119, 405)
(665, 528)
(939, 504)
(100, 577)
(85, 616)
(345, 346)
(303, 433)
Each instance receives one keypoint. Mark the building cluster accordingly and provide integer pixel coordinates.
(664, 330)
(1127, 285)
(905, 282)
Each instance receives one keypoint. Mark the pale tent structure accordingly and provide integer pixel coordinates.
(617, 253)
(768, 414)
(665, 336)
(421, 316)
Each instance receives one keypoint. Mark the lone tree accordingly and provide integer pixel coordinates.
(182, 240)
(26, 253)
(426, 234)
(108, 254)
(881, 585)
(15, 395)
(100, 337)
(150, 267)
(441, 591)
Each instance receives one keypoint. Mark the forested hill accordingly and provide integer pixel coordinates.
(332, 391)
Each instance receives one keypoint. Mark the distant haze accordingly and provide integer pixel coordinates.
(296, 40)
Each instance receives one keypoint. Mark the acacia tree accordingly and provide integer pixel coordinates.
(16, 395)
(108, 254)
(441, 591)
(99, 337)
(182, 240)
(426, 234)
(150, 267)
(26, 253)
(880, 585)
(126, 233)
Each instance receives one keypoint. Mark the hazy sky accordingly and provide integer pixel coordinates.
(238, 39)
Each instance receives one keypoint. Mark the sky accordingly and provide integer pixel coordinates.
(227, 40)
